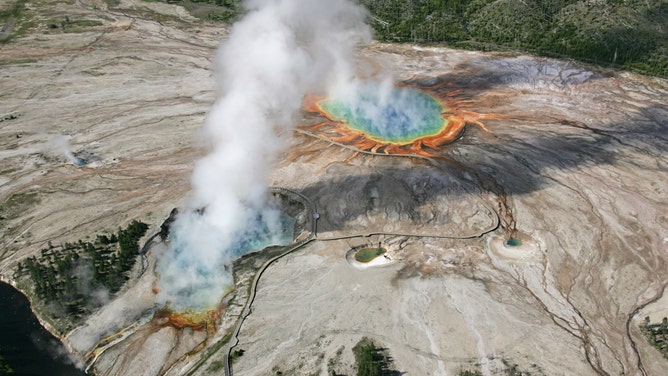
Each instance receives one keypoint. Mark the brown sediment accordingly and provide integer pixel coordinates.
(197, 320)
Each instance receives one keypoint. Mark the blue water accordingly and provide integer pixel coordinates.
(513, 242)
(401, 115)
(259, 236)
(26, 347)
(197, 271)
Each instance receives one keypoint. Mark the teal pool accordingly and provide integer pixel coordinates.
(399, 116)
(513, 242)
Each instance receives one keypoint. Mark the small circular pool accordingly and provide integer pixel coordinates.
(513, 242)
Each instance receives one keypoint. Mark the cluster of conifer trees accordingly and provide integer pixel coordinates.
(629, 34)
(78, 277)
(371, 360)
(561, 28)
(657, 334)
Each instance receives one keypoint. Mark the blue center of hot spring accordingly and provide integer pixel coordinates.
(397, 115)
(258, 235)
(513, 242)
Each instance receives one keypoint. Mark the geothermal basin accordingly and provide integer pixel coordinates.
(398, 115)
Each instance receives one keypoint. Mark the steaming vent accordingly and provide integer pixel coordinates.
(290, 220)
(85, 157)
(59, 145)
(79, 162)
(273, 56)
(388, 114)
(294, 216)
(383, 117)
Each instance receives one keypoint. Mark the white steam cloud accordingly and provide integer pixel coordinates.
(59, 145)
(278, 52)
(388, 112)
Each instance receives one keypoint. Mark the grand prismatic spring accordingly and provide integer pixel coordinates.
(405, 119)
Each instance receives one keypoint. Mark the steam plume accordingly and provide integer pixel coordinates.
(280, 50)
(60, 145)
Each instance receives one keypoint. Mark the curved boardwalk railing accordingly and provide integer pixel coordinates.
(234, 341)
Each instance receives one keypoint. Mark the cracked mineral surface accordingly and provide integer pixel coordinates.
(574, 168)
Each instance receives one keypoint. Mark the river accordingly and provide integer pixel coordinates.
(25, 346)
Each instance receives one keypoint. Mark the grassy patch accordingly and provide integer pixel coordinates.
(18, 61)
(216, 365)
(86, 23)
(13, 10)
(510, 370)
(68, 25)
(17, 204)
(209, 352)
(14, 20)
(112, 3)
(226, 11)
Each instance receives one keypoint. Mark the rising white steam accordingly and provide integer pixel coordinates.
(59, 145)
(278, 52)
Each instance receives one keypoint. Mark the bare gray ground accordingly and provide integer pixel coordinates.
(580, 154)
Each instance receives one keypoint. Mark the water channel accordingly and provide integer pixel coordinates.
(26, 348)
